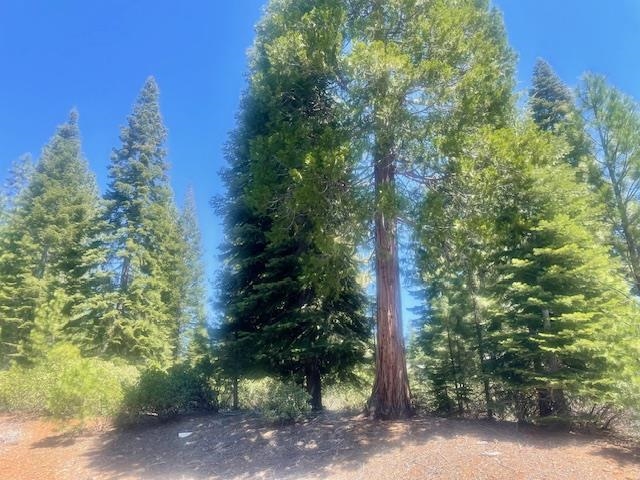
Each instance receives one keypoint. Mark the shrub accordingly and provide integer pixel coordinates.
(286, 402)
(25, 390)
(165, 393)
(66, 385)
(252, 393)
(346, 397)
(277, 401)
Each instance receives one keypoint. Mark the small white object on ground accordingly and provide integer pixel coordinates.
(490, 454)
(184, 434)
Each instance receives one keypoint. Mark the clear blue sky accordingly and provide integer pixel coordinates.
(95, 55)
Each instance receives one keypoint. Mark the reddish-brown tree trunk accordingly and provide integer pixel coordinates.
(390, 398)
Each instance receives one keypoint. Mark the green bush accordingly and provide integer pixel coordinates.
(165, 393)
(252, 393)
(66, 385)
(278, 402)
(346, 397)
(286, 402)
(25, 390)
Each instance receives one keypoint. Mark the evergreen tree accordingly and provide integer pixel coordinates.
(560, 303)
(49, 263)
(550, 100)
(195, 336)
(523, 295)
(614, 122)
(553, 109)
(292, 305)
(143, 317)
(422, 77)
(456, 245)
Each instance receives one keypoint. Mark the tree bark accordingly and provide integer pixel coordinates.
(313, 382)
(234, 393)
(474, 287)
(625, 224)
(454, 370)
(551, 401)
(390, 397)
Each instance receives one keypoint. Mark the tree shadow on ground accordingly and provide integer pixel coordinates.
(245, 446)
(62, 440)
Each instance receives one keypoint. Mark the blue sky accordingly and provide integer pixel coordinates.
(95, 55)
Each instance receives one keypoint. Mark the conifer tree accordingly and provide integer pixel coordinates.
(523, 295)
(404, 77)
(550, 100)
(292, 304)
(417, 91)
(144, 314)
(49, 263)
(613, 119)
(553, 109)
(456, 245)
(195, 335)
(560, 302)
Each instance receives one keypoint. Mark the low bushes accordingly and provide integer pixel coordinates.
(278, 402)
(346, 397)
(165, 393)
(64, 384)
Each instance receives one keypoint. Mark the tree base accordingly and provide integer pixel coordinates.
(377, 411)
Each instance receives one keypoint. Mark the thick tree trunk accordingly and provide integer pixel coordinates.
(390, 398)
(313, 382)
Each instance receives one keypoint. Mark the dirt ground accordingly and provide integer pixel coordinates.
(330, 446)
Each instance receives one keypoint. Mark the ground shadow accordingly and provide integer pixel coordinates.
(245, 446)
(62, 440)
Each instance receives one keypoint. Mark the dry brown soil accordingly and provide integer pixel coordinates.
(330, 446)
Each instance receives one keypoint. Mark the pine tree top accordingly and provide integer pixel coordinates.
(550, 99)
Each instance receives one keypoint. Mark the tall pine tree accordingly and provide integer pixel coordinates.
(195, 334)
(292, 304)
(559, 303)
(553, 109)
(613, 119)
(422, 76)
(144, 313)
(50, 262)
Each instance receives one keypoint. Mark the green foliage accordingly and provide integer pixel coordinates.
(26, 389)
(287, 402)
(278, 401)
(66, 385)
(566, 315)
(165, 393)
(289, 294)
(48, 258)
(613, 121)
(525, 300)
(86, 387)
(346, 396)
(142, 315)
(195, 343)
(554, 110)
(550, 100)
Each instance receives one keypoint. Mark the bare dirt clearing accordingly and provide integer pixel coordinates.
(330, 446)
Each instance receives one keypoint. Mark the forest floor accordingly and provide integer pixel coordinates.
(329, 446)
